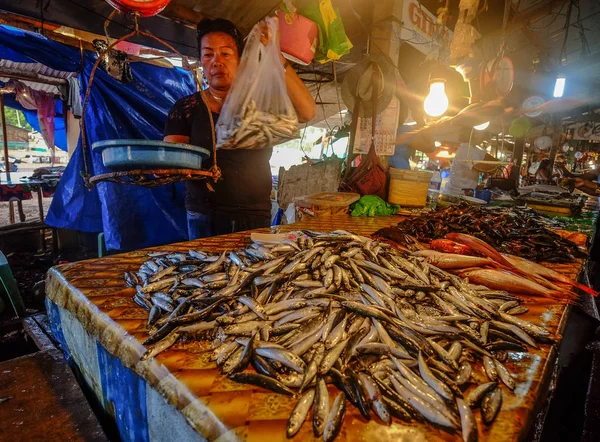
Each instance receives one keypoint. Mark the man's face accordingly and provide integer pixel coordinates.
(220, 59)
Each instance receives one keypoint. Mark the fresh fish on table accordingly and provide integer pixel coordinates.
(468, 422)
(499, 280)
(321, 408)
(518, 231)
(335, 418)
(490, 405)
(396, 334)
(261, 381)
(452, 261)
(300, 413)
(545, 272)
(475, 396)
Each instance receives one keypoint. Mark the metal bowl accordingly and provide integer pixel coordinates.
(146, 154)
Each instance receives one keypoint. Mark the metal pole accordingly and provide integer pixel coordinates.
(4, 138)
(518, 159)
(556, 134)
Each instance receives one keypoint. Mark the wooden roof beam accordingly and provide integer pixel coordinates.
(50, 31)
(180, 14)
(31, 76)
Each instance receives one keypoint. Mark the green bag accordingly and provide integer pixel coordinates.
(371, 205)
(333, 41)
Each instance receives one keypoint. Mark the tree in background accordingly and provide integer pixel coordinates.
(16, 118)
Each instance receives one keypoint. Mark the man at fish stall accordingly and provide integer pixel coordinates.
(241, 200)
(465, 170)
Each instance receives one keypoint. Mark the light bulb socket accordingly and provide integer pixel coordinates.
(436, 80)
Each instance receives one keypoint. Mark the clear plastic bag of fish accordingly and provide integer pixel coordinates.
(258, 113)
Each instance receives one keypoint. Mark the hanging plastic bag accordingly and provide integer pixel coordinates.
(257, 112)
(333, 41)
(370, 177)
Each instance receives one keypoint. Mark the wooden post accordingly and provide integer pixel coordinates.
(4, 138)
(65, 112)
(11, 212)
(40, 195)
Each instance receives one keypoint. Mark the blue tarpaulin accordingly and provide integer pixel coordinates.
(131, 217)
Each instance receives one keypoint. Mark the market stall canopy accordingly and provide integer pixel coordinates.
(38, 70)
(133, 110)
(537, 38)
(177, 23)
(90, 15)
(51, 122)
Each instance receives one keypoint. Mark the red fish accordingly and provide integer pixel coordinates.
(499, 280)
(483, 248)
(453, 261)
(448, 246)
(522, 270)
(544, 272)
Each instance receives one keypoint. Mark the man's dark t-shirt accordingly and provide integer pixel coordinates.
(245, 188)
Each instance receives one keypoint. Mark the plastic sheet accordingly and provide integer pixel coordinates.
(131, 217)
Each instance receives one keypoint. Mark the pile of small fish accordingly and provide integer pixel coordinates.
(257, 130)
(516, 231)
(396, 335)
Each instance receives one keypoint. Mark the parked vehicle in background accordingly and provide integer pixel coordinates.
(12, 165)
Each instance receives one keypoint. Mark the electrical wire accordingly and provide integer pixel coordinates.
(558, 14)
(585, 47)
(529, 45)
(337, 93)
(562, 56)
(318, 95)
(302, 140)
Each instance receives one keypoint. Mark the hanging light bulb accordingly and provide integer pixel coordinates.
(436, 103)
(482, 126)
(559, 86)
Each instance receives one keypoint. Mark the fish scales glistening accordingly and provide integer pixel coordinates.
(395, 334)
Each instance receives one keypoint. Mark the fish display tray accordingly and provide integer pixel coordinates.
(146, 154)
(91, 300)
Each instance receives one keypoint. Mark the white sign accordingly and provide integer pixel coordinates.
(420, 28)
(386, 126)
(586, 131)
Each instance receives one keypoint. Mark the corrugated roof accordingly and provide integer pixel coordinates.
(36, 68)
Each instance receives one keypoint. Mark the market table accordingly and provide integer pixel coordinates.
(180, 395)
(11, 191)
